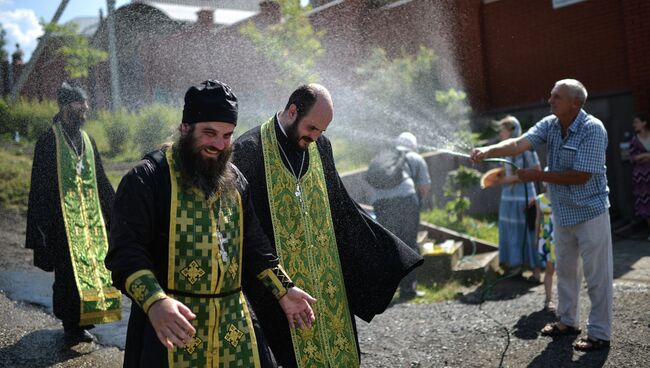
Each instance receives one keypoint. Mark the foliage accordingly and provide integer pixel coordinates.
(292, 45)
(349, 156)
(15, 171)
(127, 136)
(480, 227)
(407, 89)
(3, 42)
(456, 184)
(454, 105)
(403, 74)
(155, 124)
(116, 127)
(75, 49)
(29, 118)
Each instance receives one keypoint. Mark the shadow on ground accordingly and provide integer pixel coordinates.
(529, 327)
(559, 353)
(505, 287)
(43, 348)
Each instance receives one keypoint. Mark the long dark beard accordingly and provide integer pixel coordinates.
(208, 175)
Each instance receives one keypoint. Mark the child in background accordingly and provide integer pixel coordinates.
(544, 231)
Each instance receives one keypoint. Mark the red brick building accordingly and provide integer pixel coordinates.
(506, 54)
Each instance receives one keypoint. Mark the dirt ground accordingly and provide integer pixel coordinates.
(503, 331)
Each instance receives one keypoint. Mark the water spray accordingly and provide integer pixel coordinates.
(465, 155)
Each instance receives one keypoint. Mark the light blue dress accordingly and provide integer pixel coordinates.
(514, 249)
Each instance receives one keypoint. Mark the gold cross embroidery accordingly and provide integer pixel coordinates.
(340, 341)
(183, 221)
(234, 266)
(293, 244)
(322, 239)
(192, 345)
(192, 272)
(233, 336)
(138, 292)
(330, 289)
(310, 349)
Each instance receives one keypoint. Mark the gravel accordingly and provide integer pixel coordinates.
(503, 331)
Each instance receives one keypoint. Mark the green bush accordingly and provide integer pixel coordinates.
(116, 126)
(154, 125)
(457, 183)
(15, 171)
(29, 118)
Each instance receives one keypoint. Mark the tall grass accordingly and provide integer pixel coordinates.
(15, 176)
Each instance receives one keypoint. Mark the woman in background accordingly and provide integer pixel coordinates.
(516, 237)
(640, 158)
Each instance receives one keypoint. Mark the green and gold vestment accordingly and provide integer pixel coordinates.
(306, 244)
(204, 268)
(85, 230)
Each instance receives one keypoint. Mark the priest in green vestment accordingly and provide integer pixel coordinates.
(183, 234)
(69, 203)
(326, 243)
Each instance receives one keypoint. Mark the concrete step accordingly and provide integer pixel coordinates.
(473, 268)
(439, 261)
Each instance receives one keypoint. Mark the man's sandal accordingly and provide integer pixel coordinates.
(554, 329)
(591, 344)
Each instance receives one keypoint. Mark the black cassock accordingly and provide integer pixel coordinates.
(139, 239)
(373, 260)
(45, 227)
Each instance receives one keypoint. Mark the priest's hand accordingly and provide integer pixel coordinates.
(296, 305)
(170, 318)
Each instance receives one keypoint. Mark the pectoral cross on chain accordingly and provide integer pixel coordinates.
(298, 194)
(80, 167)
(222, 247)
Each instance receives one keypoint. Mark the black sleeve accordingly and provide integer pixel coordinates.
(104, 186)
(244, 154)
(41, 204)
(259, 254)
(373, 260)
(132, 224)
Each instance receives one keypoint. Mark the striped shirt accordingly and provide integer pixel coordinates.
(583, 149)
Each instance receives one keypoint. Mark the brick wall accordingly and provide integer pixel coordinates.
(529, 45)
(506, 54)
(637, 32)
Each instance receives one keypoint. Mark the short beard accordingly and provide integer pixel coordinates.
(293, 137)
(209, 175)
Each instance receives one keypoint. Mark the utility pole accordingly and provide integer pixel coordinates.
(15, 90)
(112, 56)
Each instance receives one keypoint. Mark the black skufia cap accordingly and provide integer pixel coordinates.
(212, 101)
(68, 94)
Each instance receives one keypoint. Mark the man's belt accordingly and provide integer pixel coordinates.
(208, 296)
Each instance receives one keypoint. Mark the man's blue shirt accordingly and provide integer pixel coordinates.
(583, 149)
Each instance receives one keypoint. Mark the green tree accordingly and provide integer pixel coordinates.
(411, 84)
(291, 45)
(3, 42)
(456, 185)
(75, 49)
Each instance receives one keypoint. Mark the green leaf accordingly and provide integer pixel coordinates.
(292, 45)
(77, 53)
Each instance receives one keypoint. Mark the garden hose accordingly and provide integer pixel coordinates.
(488, 289)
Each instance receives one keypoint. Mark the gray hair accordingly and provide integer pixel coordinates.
(576, 89)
